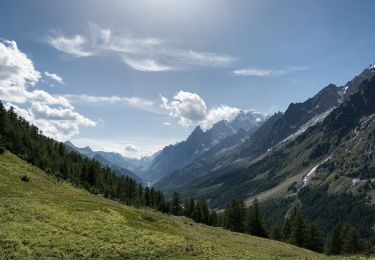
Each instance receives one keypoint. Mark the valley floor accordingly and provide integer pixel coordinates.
(45, 218)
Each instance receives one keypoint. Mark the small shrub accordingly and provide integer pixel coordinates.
(25, 178)
(2, 150)
(149, 217)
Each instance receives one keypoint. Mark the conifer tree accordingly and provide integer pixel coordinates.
(297, 226)
(213, 219)
(334, 243)
(234, 215)
(176, 204)
(147, 197)
(276, 233)
(254, 223)
(313, 239)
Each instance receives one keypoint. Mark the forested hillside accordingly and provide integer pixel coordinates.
(25, 140)
(327, 172)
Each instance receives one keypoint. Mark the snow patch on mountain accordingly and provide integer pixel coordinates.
(303, 128)
(310, 174)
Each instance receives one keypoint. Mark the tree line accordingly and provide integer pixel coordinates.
(296, 230)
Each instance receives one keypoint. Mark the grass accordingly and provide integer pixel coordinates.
(46, 218)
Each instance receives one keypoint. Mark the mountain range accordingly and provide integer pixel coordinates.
(318, 154)
(173, 157)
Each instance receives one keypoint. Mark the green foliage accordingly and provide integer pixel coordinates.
(149, 217)
(234, 216)
(176, 208)
(301, 232)
(51, 219)
(276, 233)
(319, 150)
(199, 212)
(345, 239)
(327, 210)
(254, 221)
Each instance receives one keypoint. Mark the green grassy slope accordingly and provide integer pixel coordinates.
(47, 218)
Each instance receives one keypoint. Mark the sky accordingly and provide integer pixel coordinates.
(134, 76)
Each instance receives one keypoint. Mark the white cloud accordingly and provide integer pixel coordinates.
(78, 99)
(167, 123)
(220, 113)
(146, 65)
(266, 72)
(54, 77)
(147, 54)
(201, 58)
(42, 111)
(59, 124)
(74, 45)
(131, 148)
(17, 75)
(190, 109)
(16, 69)
(187, 107)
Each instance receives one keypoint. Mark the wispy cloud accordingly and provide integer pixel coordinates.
(135, 102)
(148, 54)
(54, 77)
(74, 45)
(256, 72)
(146, 65)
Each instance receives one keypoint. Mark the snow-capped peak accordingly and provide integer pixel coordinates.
(247, 119)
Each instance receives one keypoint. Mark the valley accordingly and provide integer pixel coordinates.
(189, 129)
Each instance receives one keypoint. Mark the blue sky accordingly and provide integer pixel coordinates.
(134, 76)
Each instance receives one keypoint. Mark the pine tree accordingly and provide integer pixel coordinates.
(213, 219)
(188, 210)
(176, 204)
(294, 229)
(152, 197)
(254, 223)
(147, 197)
(334, 244)
(140, 199)
(351, 240)
(276, 233)
(234, 216)
(313, 239)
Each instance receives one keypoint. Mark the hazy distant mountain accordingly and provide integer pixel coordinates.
(85, 150)
(116, 160)
(117, 169)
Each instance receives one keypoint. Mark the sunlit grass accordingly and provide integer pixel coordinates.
(45, 218)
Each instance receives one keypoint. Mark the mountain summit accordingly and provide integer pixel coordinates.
(199, 142)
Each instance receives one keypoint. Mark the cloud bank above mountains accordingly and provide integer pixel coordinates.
(190, 109)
